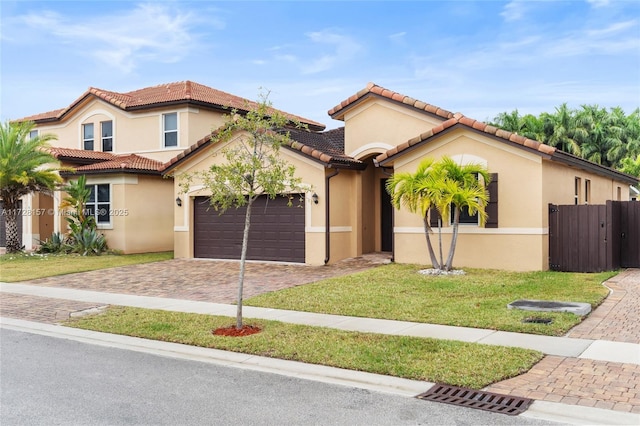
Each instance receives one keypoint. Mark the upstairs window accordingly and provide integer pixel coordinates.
(107, 135)
(170, 129)
(99, 203)
(577, 186)
(87, 136)
(33, 134)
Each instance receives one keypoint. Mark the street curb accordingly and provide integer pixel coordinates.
(542, 410)
(319, 373)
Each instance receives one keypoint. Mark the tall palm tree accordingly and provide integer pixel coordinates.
(462, 187)
(603, 133)
(562, 131)
(418, 192)
(22, 171)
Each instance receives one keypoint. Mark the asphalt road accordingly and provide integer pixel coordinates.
(52, 381)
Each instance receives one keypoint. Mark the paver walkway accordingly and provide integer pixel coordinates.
(590, 383)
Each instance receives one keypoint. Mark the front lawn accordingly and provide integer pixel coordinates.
(29, 266)
(443, 361)
(477, 299)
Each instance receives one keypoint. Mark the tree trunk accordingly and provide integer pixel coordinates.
(454, 238)
(12, 242)
(243, 261)
(440, 241)
(432, 255)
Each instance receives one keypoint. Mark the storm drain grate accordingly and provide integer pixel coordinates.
(481, 400)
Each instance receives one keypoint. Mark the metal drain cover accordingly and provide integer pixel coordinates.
(481, 400)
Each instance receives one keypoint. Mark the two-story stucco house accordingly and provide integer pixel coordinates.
(165, 131)
(121, 141)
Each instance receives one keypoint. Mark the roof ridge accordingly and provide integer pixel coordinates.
(376, 89)
(461, 119)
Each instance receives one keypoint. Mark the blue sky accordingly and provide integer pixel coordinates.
(475, 57)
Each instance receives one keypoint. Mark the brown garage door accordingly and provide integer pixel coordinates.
(3, 226)
(276, 232)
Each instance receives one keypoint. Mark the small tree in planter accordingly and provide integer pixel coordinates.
(84, 237)
(253, 168)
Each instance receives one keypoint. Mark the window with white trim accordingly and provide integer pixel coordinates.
(33, 134)
(87, 136)
(577, 186)
(587, 191)
(99, 203)
(170, 129)
(106, 131)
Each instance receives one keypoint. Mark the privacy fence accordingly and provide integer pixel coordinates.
(594, 238)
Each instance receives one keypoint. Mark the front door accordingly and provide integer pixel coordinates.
(386, 218)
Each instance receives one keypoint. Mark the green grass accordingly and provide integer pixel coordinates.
(22, 267)
(442, 361)
(477, 299)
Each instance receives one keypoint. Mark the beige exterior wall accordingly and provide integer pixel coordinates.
(134, 132)
(141, 213)
(377, 123)
(518, 242)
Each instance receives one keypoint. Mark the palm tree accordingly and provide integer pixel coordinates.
(418, 192)
(603, 133)
(562, 132)
(22, 172)
(443, 185)
(462, 187)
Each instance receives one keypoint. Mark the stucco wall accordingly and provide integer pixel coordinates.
(518, 242)
(134, 132)
(376, 122)
(141, 213)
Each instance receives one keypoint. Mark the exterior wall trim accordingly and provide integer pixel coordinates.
(475, 230)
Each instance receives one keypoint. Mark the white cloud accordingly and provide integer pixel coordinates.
(514, 11)
(599, 3)
(343, 49)
(149, 32)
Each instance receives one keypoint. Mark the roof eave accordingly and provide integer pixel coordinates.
(572, 160)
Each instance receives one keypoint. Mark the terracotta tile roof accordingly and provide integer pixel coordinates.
(170, 93)
(460, 120)
(80, 155)
(326, 147)
(131, 163)
(373, 89)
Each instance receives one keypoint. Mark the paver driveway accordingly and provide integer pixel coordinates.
(205, 280)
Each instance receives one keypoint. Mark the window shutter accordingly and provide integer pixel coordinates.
(492, 207)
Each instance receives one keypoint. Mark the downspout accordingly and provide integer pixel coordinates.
(393, 214)
(327, 229)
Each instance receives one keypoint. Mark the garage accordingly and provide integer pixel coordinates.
(276, 232)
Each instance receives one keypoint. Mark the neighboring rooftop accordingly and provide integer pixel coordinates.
(166, 94)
